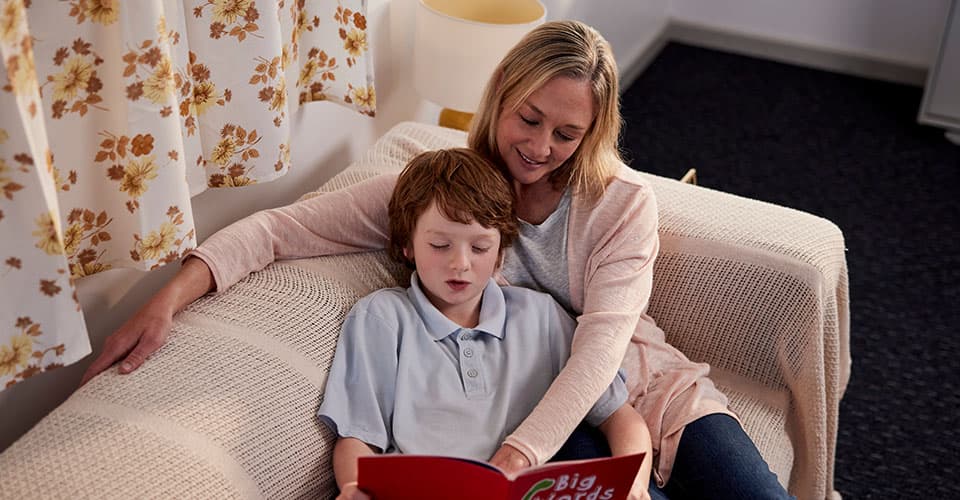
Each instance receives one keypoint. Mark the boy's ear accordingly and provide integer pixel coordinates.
(408, 253)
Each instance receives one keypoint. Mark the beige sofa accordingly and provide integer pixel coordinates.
(226, 408)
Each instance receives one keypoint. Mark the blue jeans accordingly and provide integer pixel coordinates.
(586, 441)
(716, 459)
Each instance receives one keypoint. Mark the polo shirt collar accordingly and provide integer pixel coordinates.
(493, 311)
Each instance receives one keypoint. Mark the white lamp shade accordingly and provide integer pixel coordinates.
(458, 43)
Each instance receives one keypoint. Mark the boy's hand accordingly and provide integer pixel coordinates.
(350, 491)
(509, 460)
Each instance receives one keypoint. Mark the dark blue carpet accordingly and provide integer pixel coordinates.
(848, 149)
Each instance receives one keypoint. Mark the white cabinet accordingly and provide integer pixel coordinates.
(941, 97)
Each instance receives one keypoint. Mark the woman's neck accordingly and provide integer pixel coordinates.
(535, 202)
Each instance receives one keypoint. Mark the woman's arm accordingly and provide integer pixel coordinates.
(616, 250)
(348, 220)
(344, 221)
(627, 433)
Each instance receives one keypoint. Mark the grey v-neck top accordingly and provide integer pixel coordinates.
(538, 257)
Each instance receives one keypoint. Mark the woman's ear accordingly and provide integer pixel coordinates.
(498, 79)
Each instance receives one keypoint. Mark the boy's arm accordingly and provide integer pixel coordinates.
(345, 455)
(358, 396)
(627, 433)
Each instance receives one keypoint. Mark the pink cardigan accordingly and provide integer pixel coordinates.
(611, 249)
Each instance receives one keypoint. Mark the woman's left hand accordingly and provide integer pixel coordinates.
(509, 460)
(639, 493)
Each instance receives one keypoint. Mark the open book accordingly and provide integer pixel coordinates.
(388, 477)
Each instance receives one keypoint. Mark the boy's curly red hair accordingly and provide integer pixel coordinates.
(466, 187)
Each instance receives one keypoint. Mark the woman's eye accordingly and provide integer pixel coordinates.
(528, 121)
(564, 137)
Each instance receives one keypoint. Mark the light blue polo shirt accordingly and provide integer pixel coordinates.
(407, 379)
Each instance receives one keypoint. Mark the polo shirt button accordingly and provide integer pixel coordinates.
(465, 336)
(472, 373)
(468, 352)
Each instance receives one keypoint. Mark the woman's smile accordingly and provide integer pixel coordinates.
(530, 161)
(545, 130)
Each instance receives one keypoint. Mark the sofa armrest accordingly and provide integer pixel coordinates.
(759, 291)
(226, 409)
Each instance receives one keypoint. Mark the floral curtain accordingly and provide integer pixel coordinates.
(113, 114)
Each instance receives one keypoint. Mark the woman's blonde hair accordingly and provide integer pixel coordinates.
(466, 188)
(558, 48)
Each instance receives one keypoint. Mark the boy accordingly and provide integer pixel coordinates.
(453, 364)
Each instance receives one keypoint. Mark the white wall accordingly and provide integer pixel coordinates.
(630, 26)
(898, 31)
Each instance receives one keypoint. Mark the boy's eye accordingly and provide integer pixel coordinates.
(481, 249)
(438, 246)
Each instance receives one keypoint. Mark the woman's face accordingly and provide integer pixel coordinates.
(546, 130)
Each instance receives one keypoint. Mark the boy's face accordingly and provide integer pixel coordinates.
(454, 262)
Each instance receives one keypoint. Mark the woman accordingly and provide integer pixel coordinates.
(550, 120)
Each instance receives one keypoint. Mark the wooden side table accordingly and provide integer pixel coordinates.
(690, 177)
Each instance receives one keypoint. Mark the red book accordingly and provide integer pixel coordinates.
(423, 477)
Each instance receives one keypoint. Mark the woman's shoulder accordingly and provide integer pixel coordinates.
(627, 179)
(626, 187)
(627, 202)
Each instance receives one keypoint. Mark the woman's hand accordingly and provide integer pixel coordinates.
(509, 460)
(147, 330)
(350, 491)
(640, 490)
(134, 342)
